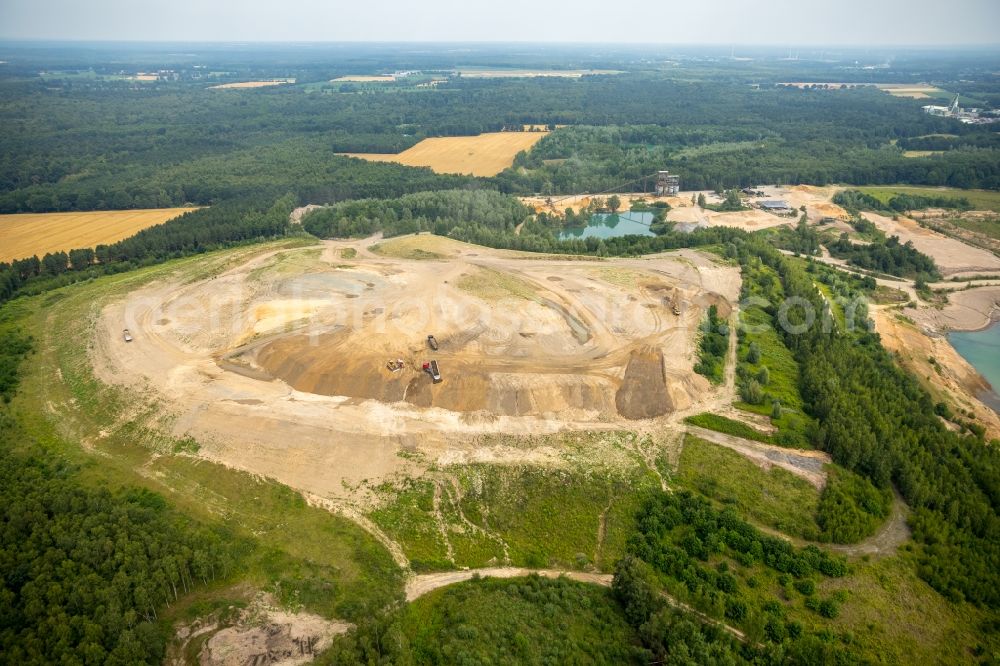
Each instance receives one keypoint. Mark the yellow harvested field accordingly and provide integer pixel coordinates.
(921, 153)
(25, 234)
(251, 84)
(361, 78)
(909, 90)
(483, 155)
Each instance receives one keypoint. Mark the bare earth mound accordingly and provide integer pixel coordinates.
(307, 367)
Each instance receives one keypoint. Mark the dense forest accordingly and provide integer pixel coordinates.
(83, 570)
(441, 212)
(84, 143)
(876, 421)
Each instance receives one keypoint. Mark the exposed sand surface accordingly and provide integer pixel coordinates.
(261, 634)
(817, 201)
(950, 377)
(966, 310)
(279, 366)
(950, 255)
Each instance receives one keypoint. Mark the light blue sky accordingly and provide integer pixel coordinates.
(825, 22)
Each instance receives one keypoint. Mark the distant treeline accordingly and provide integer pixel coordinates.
(88, 148)
(441, 212)
(854, 201)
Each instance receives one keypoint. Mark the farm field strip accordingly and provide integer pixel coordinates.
(980, 199)
(26, 234)
(482, 155)
(364, 78)
(476, 73)
(251, 84)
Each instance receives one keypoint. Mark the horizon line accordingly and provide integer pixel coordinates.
(496, 42)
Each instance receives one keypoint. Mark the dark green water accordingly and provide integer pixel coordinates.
(982, 350)
(611, 225)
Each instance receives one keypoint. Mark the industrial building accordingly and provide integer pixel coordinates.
(667, 185)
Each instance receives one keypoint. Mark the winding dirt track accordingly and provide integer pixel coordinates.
(418, 586)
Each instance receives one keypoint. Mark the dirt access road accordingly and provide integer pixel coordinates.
(418, 586)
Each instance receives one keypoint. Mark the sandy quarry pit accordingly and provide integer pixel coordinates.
(279, 366)
(817, 201)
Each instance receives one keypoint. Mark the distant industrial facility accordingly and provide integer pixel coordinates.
(967, 116)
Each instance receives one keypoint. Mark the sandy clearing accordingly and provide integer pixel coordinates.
(483, 155)
(950, 255)
(967, 310)
(262, 634)
(27, 234)
(817, 201)
(251, 84)
(333, 416)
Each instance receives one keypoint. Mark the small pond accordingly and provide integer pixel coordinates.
(612, 225)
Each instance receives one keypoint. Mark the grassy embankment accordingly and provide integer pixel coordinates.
(305, 555)
(574, 513)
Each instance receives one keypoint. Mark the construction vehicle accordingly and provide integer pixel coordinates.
(431, 368)
(127, 335)
(395, 366)
(432, 342)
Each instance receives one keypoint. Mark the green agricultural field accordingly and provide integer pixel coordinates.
(980, 199)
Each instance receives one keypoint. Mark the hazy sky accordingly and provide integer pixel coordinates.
(825, 22)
